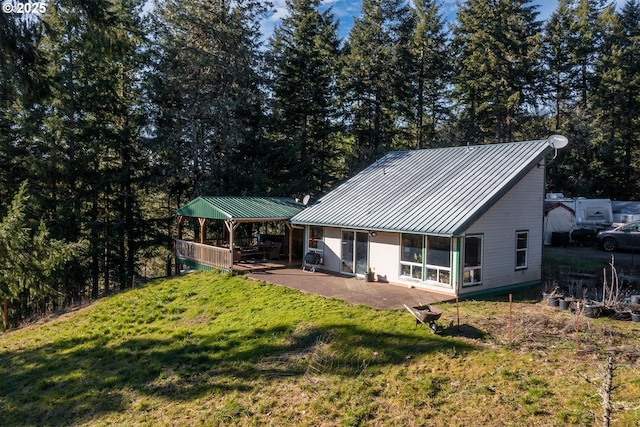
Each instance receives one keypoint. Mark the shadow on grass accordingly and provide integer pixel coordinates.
(464, 330)
(73, 381)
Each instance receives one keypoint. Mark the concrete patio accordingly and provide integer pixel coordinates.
(350, 289)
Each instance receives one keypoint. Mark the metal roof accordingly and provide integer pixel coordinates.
(435, 191)
(241, 208)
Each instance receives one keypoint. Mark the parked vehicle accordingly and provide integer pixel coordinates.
(626, 236)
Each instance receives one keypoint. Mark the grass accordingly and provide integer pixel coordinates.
(209, 349)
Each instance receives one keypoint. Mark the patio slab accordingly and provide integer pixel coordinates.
(350, 289)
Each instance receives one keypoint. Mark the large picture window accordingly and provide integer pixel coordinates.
(472, 261)
(522, 249)
(426, 258)
(439, 259)
(411, 257)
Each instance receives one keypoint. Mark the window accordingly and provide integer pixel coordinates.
(316, 241)
(522, 245)
(435, 266)
(411, 257)
(472, 261)
(439, 259)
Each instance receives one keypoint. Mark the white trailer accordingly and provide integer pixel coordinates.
(595, 214)
(591, 215)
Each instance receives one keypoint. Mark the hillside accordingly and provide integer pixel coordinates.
(208, 349)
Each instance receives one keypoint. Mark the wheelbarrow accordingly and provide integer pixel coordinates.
(426, 315)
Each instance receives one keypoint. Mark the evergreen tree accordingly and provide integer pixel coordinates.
(205, 87)
(431, 75)
(304, 53)
(30, 261)
(373, 82)
(573, 38)
(616, 101)
(79, 135)
(497, 66)
(17, 56)
(560, 70)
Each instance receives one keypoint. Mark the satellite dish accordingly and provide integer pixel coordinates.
(305, 199)
(557, 141)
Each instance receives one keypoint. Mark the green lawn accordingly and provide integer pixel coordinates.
(209, 349)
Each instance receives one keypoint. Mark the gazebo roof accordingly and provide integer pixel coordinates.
(254, 209)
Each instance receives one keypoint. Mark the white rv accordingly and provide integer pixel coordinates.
(593, 214)
(589, 217)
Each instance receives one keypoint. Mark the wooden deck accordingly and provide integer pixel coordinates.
(258, 266)
(199, 256)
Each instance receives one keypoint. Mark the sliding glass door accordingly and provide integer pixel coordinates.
(355, 252)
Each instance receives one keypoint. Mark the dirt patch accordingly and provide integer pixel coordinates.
(585, 272)
(540, 329)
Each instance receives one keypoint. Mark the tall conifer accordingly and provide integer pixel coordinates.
(374, 75)
(497, 44)
(205, 86)
(304, 53)
(430, 77)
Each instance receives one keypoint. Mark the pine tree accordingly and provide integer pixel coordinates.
(30, 261)
(373, 81)
(557, 43)
(615, 99)
(304, 54)
(17, 56)
(497, 66)
(431, 75)
(573, 38)
(80, 135)
(205, 87)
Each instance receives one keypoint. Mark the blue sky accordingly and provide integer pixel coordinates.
(345, 10)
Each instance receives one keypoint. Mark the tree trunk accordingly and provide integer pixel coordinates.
(5, 315)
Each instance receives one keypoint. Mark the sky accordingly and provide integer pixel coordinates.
(345, 10)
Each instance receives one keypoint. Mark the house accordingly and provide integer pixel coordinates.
(461, 220)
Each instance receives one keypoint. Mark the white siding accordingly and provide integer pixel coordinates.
(384, 255)
(332, 249)
(521, 209)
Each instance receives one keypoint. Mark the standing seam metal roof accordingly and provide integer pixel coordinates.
(434, 191)
(241, 208)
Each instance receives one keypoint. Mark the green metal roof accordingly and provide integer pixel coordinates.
(241, 208)
(436, 191)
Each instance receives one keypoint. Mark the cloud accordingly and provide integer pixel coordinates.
(278, 11)
(346, 10)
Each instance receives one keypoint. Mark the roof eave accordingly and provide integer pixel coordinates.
(269, 219)
(376, 229)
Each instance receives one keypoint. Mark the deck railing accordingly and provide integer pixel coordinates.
(212, 256)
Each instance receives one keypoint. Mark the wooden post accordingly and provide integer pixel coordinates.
(229, 224)
(577, 326)
(510, 320)
(458, 311)
(290, 228)
(180, 219)
(202, 221)
(175, 249)
(5, 315)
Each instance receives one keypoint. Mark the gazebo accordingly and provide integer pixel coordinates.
(224, 250)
